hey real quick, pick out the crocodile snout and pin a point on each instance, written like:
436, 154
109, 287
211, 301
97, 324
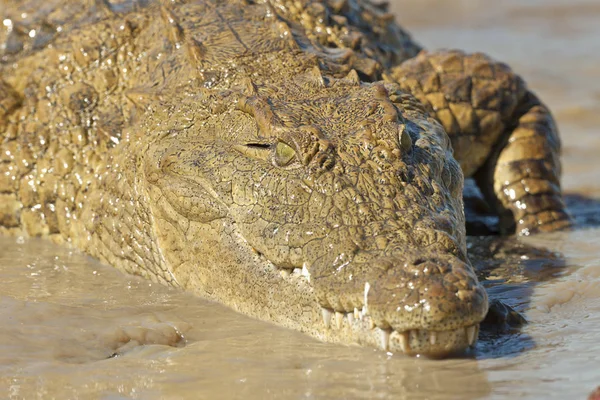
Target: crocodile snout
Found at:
414, 305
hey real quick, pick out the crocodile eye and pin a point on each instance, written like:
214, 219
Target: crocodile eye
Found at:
284, 154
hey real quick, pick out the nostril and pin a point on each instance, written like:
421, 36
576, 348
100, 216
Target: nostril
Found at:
418, 261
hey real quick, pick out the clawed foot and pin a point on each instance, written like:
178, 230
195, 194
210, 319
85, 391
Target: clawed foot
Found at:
502, 318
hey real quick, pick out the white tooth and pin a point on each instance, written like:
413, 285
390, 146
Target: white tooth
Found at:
432, 337
367, 287
404, 343
285, 273
305, 272
326, 316
471, 335
384, 338
357, 314
350, 317
339, 317
414, 335
370, 322
364, 311
297, 271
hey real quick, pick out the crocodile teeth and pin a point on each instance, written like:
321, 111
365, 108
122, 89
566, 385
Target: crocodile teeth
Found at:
358, 314
350, 317
326, 317
413, 335
371, 323
364, 311
432, 337
402, 339
284, 273
384, 338
471, 334
404, 343
339, 318
305, 272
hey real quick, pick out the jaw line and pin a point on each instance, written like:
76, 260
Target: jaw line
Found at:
442, 343
339, 324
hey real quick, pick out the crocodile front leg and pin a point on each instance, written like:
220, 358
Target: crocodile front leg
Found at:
502, 134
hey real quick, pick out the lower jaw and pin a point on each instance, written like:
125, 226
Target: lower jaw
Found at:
434, 343
415, 342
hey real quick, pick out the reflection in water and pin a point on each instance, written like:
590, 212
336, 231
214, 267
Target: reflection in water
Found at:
72, 328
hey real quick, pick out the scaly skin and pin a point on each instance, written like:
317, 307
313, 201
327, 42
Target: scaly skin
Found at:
252, 154
500, 132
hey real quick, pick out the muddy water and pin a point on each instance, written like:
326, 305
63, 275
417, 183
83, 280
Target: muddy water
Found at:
72, 328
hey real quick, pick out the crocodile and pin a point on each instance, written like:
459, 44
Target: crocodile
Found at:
301, 162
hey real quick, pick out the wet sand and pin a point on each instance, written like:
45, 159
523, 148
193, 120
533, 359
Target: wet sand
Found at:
72, 328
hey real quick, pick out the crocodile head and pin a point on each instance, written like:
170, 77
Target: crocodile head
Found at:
326, 205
